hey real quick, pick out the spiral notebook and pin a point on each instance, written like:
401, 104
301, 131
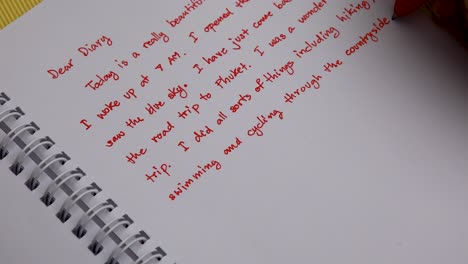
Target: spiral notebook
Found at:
231, 132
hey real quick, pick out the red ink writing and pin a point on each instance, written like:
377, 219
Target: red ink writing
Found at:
312, 83
332, 65
318, 6
233, 74
102, 80
275, 74
259, 51
157, 171
85, 123
201, 171
282, 4
277, 40
192, 35
263, 19
164, 133
240, 3
134, 156
178, 90
221, 118
61, 71
115, 138
130, 93
372, 35
153, 108
242, 99
144, 81
132, 122
155, 39
173, 58
182, 145
188, 110
109, 107
190, 7
90, 48
318, 39
352, 9
214, 57
233, 146
212, 26
256, 130
200, 134
238, 39
205, 97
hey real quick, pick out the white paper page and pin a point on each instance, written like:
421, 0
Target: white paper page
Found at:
369, 167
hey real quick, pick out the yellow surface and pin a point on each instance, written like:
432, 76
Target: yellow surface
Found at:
12, 9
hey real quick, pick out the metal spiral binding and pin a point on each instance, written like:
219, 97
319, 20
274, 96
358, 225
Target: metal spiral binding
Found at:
46, 143
48, 197
52, 164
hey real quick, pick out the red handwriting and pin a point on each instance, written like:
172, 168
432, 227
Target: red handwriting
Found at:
174, 57
313, 83
198, 68
122, 64
134, 156
201, 171
182, 145
178, 90
130, 93
157, 171
256, 130
371, 35
85, 123
277, 40
109, 107
192, 35
352, 9
239, 38
144, 81
282, 4
318, 6
133, 122
275, 74
61, 71
233, 74
188, 110
216, 56
259, 51
90, 48
164, 133
317, 40
240, 3
242, 99
212, 26
205, 97
202, 133
221, 118
153, 108
111, 142
232, 147
189, 8
263, 19
332, 65
156, 37
102, 80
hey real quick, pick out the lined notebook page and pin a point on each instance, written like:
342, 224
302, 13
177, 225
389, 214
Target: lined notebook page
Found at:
257, 131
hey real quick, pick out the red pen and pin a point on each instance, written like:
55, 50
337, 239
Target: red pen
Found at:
406, 7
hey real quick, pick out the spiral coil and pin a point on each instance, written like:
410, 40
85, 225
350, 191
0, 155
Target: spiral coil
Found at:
38, 155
